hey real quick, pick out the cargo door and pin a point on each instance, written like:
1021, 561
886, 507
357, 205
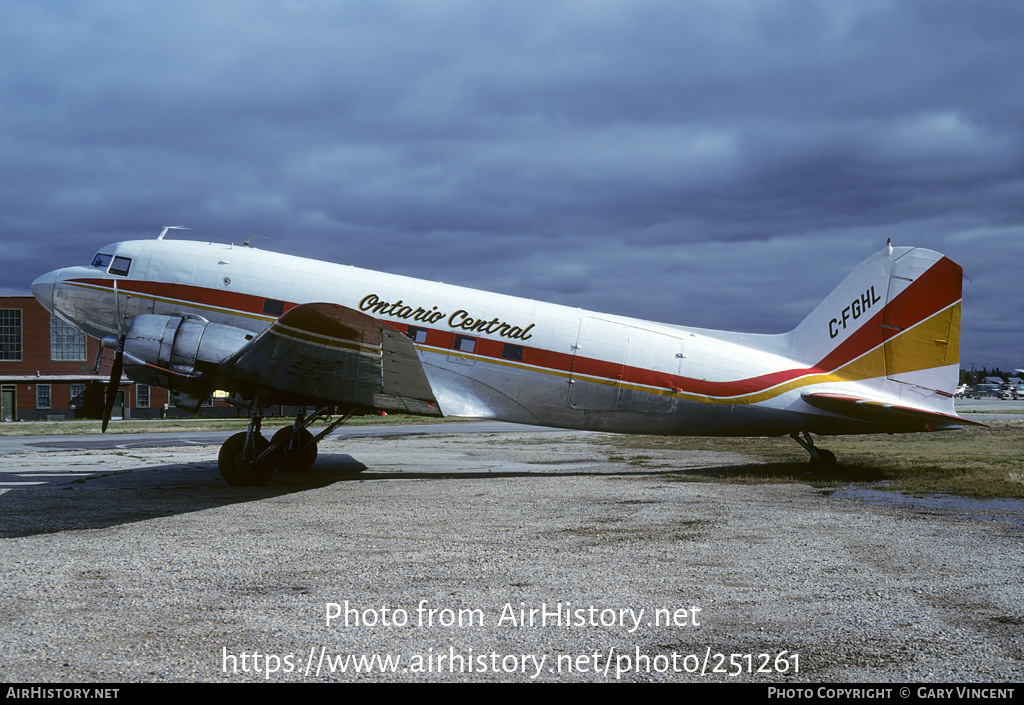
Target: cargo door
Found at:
617, 367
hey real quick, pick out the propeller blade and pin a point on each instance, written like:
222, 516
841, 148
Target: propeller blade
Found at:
115, 382
117, 345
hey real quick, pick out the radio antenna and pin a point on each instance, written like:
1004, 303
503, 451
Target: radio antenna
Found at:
171, 227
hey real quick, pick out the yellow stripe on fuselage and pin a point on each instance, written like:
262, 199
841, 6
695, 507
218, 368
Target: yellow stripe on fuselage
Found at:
323, 341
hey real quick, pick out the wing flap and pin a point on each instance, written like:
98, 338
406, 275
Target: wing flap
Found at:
328, 354
893, 416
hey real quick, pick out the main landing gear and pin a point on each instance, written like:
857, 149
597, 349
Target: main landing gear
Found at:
247, 459
821, 459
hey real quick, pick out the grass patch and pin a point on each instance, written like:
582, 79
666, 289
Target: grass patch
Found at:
974, 462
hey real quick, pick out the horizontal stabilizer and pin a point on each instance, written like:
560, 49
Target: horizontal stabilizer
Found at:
895, 417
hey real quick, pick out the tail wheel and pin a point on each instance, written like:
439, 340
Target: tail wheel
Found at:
296, 453
826, 460
820, 458
236, 464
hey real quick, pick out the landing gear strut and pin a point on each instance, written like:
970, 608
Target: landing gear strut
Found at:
820, 458
296, 450
248, 459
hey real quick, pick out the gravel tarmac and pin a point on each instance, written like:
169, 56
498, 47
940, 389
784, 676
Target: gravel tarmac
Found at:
492, 557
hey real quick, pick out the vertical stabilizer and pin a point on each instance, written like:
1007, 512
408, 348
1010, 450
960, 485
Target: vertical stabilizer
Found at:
893, 325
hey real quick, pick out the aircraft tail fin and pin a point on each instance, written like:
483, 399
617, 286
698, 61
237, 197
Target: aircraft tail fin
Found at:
893, 326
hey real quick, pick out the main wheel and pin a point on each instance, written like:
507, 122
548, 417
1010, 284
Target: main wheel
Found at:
240, 471
294, 460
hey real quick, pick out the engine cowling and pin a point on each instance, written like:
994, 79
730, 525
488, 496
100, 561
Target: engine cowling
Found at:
180, 353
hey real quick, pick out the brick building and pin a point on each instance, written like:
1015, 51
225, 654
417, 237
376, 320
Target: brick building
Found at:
47, 370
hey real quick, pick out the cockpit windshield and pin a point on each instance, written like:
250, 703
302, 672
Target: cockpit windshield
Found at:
112, 264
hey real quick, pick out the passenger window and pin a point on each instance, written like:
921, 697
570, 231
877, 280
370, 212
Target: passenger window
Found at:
416, 334
120, 266
273, 307
512, 352
463, 343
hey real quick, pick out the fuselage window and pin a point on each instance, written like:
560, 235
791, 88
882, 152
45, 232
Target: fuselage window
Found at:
463, 343
273, 307
120, 266
416, 334
512, 352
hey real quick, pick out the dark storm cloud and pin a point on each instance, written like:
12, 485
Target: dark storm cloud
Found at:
721, 164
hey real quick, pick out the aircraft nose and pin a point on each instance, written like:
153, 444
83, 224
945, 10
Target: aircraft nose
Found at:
42, 289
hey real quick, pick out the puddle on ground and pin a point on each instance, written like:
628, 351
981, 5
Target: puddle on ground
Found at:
1011, 510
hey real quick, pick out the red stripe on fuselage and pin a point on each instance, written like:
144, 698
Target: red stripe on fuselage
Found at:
187, 293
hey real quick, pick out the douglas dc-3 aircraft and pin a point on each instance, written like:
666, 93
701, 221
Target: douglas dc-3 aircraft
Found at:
879, 355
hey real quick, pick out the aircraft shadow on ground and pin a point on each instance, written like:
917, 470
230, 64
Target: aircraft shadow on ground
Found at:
792, 471
104, 500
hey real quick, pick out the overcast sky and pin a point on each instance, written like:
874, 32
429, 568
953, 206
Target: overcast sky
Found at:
716, 163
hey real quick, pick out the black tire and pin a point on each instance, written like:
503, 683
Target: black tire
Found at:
294, 461
826, 460
239, 471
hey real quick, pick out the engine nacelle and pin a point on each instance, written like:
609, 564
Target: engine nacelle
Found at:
180, 353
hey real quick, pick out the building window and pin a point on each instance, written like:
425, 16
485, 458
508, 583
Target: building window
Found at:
77, 396
142, 396
10, 334
42, 396
66, 341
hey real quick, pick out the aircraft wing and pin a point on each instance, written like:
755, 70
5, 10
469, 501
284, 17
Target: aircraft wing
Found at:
895, 417
329, 354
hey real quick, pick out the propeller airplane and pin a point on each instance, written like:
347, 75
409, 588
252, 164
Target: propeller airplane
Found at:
879, 355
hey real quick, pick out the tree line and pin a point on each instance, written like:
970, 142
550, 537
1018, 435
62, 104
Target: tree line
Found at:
980, 373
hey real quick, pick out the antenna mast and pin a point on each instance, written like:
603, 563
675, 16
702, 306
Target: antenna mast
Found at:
171, 227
